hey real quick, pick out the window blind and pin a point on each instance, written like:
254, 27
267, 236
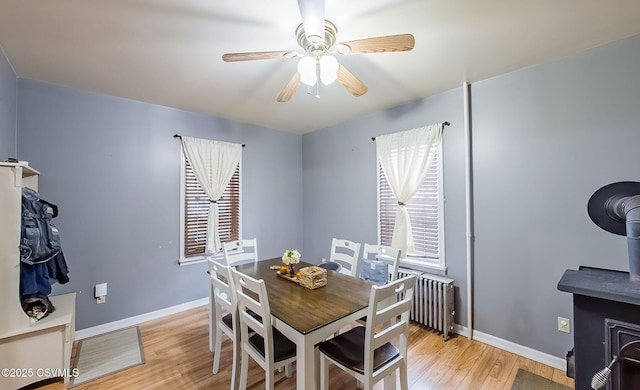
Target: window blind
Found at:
196, 212
423, 210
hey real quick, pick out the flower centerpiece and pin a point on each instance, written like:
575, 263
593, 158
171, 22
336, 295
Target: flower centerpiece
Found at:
290, 258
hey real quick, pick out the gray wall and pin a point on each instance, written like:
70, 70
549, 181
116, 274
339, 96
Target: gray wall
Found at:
8, 87
339, 171
544, 139
113, 168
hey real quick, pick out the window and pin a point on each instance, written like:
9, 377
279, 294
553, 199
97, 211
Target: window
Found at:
426, 212
195, 211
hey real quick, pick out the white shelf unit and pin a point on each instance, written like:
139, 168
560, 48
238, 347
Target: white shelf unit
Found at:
27, 344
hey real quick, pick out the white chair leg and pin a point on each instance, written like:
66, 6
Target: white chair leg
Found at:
235, 368
368, 385
324, 373
217, 348
268, 378
245, 369
359, 385
390, 382
211, 319
404, 382
288, 371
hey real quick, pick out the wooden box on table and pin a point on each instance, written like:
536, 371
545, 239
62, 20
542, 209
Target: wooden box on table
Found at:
313, 277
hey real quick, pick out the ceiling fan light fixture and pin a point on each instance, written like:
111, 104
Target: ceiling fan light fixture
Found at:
328, 69
307, 70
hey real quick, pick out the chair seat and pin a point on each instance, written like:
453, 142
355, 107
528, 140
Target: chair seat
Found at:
347, 349
331, 265
228, 319
283, 348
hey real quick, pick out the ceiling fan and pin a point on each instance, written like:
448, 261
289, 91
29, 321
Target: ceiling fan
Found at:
317, 38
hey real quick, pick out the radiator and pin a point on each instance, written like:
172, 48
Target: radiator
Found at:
432, 301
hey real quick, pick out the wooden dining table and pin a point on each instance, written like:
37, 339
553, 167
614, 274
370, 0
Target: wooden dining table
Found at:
308, 317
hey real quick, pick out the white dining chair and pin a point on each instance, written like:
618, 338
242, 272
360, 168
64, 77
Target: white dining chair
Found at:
234, 253
379, 263
226, 315
346, 253
267, 347
240, 251
379, 266
376, 351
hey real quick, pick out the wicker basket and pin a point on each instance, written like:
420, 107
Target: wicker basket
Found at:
313, 277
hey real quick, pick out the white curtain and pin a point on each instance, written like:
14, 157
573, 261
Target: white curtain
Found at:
213, 163
405, 158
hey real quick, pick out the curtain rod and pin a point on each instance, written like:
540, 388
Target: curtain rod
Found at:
179, 136
443, 124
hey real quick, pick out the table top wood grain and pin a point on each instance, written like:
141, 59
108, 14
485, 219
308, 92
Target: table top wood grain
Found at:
306, 310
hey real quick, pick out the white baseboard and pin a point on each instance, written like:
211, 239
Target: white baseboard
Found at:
135, 320
529, 353
461, 330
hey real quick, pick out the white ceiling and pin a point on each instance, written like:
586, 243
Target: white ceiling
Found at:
169, 52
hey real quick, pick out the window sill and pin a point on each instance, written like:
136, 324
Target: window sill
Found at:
200, 259
420, 265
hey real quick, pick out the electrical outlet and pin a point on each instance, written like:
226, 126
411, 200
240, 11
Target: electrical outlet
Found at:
101, 299
564, 325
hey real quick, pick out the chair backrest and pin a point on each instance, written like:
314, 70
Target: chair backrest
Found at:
224, 293
388, 323
347, 254
380, 263
252, 295
240, 251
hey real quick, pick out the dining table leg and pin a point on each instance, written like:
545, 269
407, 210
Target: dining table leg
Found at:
307, 355
306, 365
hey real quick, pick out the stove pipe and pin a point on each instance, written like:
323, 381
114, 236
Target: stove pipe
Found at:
616, 209
632, 213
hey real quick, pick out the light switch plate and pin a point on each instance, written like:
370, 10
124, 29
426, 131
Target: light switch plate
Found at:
101, 290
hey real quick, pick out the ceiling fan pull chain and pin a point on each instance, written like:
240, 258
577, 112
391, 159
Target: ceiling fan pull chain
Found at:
318, 77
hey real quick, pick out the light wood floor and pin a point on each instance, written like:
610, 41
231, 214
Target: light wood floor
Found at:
177, 357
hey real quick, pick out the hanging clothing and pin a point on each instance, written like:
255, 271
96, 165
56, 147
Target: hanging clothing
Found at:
42, 262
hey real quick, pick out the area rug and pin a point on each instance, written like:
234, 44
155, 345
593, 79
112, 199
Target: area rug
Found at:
526, 380
106, 354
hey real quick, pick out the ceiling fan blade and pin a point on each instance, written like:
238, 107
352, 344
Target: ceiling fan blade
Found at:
257, 55
390, 43
351, 82
289, 89
312, 13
